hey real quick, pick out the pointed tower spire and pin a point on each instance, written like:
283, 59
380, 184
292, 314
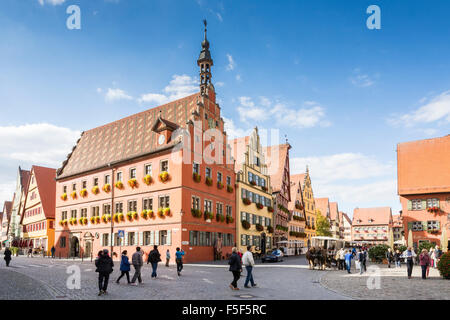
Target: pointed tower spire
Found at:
205, 63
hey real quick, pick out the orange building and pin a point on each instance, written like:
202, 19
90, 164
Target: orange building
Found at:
424, 188
160, 177
372, 225
38, 217
297, 235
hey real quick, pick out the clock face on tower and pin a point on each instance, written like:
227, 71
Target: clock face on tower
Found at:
161, 139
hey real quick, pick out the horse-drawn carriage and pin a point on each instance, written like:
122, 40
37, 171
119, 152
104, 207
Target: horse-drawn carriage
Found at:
323, 251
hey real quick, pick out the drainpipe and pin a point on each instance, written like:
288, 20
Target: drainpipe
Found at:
112, 208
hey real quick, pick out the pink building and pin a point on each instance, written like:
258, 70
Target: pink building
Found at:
159, 176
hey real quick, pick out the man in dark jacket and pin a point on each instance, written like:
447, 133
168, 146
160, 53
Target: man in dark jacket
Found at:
137, 262
154, 257
104, 266
389, 257
235, 267
7, 256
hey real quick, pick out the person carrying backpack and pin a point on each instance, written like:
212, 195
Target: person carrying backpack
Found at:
104, 266
154, 257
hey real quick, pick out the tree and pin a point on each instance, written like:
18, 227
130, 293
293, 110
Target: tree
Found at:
323, 225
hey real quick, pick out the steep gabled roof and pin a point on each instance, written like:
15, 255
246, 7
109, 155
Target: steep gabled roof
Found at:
276, 157
423, 166
24, 177
7, 209
334, 211
346, 217
372, 216
46, 186
323, 205
297, 182
126, 138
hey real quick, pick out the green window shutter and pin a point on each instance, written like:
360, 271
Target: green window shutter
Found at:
424, 225
169, 237
157, 237
438, 225
141, 238
424, 204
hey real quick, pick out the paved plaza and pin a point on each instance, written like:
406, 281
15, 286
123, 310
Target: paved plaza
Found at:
39, 278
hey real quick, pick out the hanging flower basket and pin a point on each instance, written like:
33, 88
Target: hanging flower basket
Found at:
259, 227
97, 219
135, 215
270, 209
151, 214
83, 193
116, 218
95, 190
196, 213
220, 217
219, 185
130, 216
167, 212
73, 221
64, 196
106, 218
230, 189
144, 214
161, 213
73, 195
208, 215
197, 178
246, 201
119, 185
147, 179
121, 217
107, 188
230, 219
133, 183
92, 219
63, 222
245, 224
208, 181
164, 176
259, 206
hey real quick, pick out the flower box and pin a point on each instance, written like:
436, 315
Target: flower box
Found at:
246, 201
259, 206
106, 218
259, 227
246, 225
253, 183
95, 190
73, 221
270, 209
130, 216
164, 176
167, 212
230, 219
119, 185
196, 213
64, 196
147, 179
197, 178
73, 195
230, 189
161, 213
208, 181
83, 193
107, 188
151, 214
298, 207
63, 223
208, 215
133, 183
144, 214
219, 185
220, 218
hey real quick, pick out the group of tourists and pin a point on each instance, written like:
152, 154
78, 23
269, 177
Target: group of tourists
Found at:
426, 260
105, 265
344, 257
236, 261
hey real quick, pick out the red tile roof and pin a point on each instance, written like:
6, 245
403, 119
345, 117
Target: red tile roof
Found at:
323, 205
126, 138
423, 166
24, 177
276, 159
346, 217
46, 183
7, 206
334, 212
380, 216
297, 182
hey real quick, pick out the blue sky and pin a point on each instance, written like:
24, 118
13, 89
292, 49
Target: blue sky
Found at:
343, 94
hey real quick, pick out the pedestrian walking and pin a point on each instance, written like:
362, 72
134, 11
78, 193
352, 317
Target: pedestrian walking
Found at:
249, 263
154, 257
365, 259
437, 255
424, 259
389, 257
104, 266
124, 267
341, 260
137, 262
179, 260
7, 256
235, 268
409, 256
397, 259
167, 257
52, 250
348, 260
360, 257
30, 253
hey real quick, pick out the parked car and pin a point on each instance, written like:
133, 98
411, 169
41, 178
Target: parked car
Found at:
275, 256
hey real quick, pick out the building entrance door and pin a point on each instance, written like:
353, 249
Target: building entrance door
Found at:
74, 247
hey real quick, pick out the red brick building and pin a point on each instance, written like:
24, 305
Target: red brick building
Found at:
160, 176
424, 189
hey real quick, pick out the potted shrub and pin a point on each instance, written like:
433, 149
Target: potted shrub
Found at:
95, 190
64, 196
133, 183
73, 194
259, 227
230, 219
246, 201
147, 179
378, 253
245, 224
230, 189
119, 185
259, 206
444, 265
219, 185
107, 188
164, 176
197, 178
208, 181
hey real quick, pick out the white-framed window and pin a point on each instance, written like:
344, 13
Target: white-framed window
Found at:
164, 165
195, 203
432, 203
119, 207
74, 187
132, 205
416, 204
196, 168
164, 201
219, 208
417, 226
229, 211
95, 181
219, 177
208, 205
133, 173
106, 208
105, 239
119, 176
95, 211
208, 172
229, 180
84, 184
64, 215
433, 225
148, 169
131, 238
147, 204
64, 189
107, 179
73, 214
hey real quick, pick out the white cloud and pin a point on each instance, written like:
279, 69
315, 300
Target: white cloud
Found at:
180, 86
436, 109
311, 114
361, 80
51, 2
351, 179
40, 144
219, 16
7, 191
238, 78
233, 131
116, 94
231, 63
219, 84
